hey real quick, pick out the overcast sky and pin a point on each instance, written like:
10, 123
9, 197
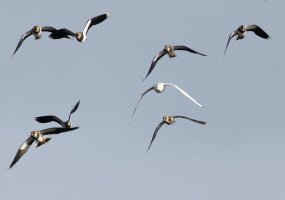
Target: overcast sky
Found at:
239, 155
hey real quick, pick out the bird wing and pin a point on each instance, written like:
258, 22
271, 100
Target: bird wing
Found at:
50, 131
184, 93
61, 33
94, 21
27, 34
22, 150
155, 133
230, 37
74, 109
185, 48
193, 120
154, 61
48, 29
50, 118
142, 95
258, 31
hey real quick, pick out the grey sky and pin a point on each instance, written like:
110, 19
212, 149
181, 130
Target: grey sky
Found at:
239, 155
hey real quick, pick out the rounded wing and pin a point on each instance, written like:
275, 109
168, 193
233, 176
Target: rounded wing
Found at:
184, 93
142, 95
258, 31
26, 35
230, 37
93, 21
22, 150
61, 33
155, 133
50, 118
154, 61
50, 131
193, 120
185, 48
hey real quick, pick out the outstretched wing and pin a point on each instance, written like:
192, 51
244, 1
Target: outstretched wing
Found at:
142, 95
230, 37
73, 109
26, 35
48, 29
22, 150
155, 133
258, 31
154, 61
50, 118
184, 93
185, 48
193, 120
93, 21
50, 131
61, 33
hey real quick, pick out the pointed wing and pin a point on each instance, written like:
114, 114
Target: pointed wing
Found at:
74, 109
61, 33
193, 120
50, 131
22, 150
50, 118
142, 95
230, 37
184, 48
155, 133
27, 34
93, 21
48, 29
154, 61
184, 93
258, 31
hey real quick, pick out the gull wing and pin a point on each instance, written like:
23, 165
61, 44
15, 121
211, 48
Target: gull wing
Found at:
93, 21
193, 120
258, 31
73, 109
155, 133
154, 61
230, 37
185, 48
24, 36
50, 118
184, 93
61, 33
142, 95
50, 131
22, 150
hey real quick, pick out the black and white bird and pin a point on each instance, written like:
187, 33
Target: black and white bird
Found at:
39, 137
50, 118
240, 33
37, 32
169, 120
159, 88
82, 36
169, 50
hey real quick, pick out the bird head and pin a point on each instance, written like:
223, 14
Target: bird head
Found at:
242, 28
79, 36
168, 120
35, 134
159, 87
36, 29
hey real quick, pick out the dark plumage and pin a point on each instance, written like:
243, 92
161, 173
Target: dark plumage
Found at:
61, 33
50, 118
169, 49
240, 33
39, 137
169, 120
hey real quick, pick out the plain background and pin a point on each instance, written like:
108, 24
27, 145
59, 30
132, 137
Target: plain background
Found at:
239, 155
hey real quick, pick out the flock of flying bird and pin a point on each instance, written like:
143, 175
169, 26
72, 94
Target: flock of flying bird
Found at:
39, 136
